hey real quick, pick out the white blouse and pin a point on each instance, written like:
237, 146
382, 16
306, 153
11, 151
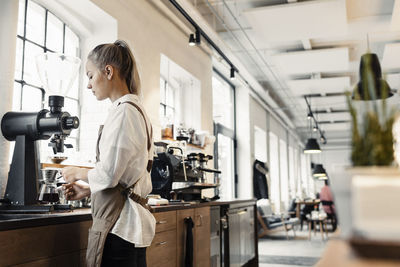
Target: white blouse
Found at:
123, 159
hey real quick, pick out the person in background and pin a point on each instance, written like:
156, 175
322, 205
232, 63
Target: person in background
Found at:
118, 185
326, 198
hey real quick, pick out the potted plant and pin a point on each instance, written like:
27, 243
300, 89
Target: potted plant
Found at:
372, 185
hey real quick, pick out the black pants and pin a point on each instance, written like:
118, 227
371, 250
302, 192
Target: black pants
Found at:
121, 253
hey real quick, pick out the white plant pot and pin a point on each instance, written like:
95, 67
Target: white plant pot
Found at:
368, 202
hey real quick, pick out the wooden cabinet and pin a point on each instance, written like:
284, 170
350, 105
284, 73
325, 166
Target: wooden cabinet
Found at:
181, 235
51, 245
162, 251
202, 237
168, 250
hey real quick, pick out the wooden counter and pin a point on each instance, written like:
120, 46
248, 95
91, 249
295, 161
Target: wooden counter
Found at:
60, 239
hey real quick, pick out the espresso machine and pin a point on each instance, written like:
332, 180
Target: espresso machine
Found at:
57, 73
178, 177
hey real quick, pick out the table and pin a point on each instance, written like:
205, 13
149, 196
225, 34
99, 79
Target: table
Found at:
305, 202
314, 222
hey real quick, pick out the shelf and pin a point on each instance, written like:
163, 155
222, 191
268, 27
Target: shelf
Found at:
188, 144
54, 165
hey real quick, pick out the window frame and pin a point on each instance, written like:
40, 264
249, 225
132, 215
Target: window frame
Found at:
22, 82
230, 133
165, 105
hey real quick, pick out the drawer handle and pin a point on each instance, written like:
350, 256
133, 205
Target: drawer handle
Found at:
200, 222
161, 222
162, 243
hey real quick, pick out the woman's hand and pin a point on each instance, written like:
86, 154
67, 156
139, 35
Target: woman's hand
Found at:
76, 191
72, 174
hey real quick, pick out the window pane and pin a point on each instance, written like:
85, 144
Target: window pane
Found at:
18, 60
222, 103
284, 175
71, 106
225, 165
31, 75
161, 111
17, 97
31, 99
71, 43
54, 37
169, 113
260, 144
21, 17
292, 179
274, 171
304, 176
74, 90
170, 97
35, 23
162, 91
71, 141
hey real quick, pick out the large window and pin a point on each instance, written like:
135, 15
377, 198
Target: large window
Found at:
274, 171
284, 174
260, 144
292, 173
224, 130
41, 31
180, 92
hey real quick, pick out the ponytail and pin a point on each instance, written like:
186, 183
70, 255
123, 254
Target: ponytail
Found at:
118, 55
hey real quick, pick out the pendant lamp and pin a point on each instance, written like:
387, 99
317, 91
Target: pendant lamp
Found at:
319, 171
371, 85
312, 146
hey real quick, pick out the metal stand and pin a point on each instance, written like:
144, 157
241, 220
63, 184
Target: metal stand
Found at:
21, 190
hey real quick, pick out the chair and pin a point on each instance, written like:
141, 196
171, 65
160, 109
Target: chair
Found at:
331, 214
271, 222
306, 210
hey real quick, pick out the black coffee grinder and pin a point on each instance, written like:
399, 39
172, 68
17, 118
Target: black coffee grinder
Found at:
25, 128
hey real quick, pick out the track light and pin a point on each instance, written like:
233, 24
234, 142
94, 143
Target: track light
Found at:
323, 139
232, 76
194, 39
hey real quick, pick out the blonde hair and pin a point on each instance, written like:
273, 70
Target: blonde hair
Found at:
118, 55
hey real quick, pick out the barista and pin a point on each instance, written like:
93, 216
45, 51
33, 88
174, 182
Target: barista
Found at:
121, 179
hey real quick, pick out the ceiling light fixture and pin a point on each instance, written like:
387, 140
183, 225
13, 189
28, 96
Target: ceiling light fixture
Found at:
310, 116
371, 85
319, 171
312, 146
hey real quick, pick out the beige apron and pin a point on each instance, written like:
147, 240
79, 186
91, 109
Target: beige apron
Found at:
107, 205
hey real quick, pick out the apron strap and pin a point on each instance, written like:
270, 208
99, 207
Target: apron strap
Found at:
135, 197
149, 136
